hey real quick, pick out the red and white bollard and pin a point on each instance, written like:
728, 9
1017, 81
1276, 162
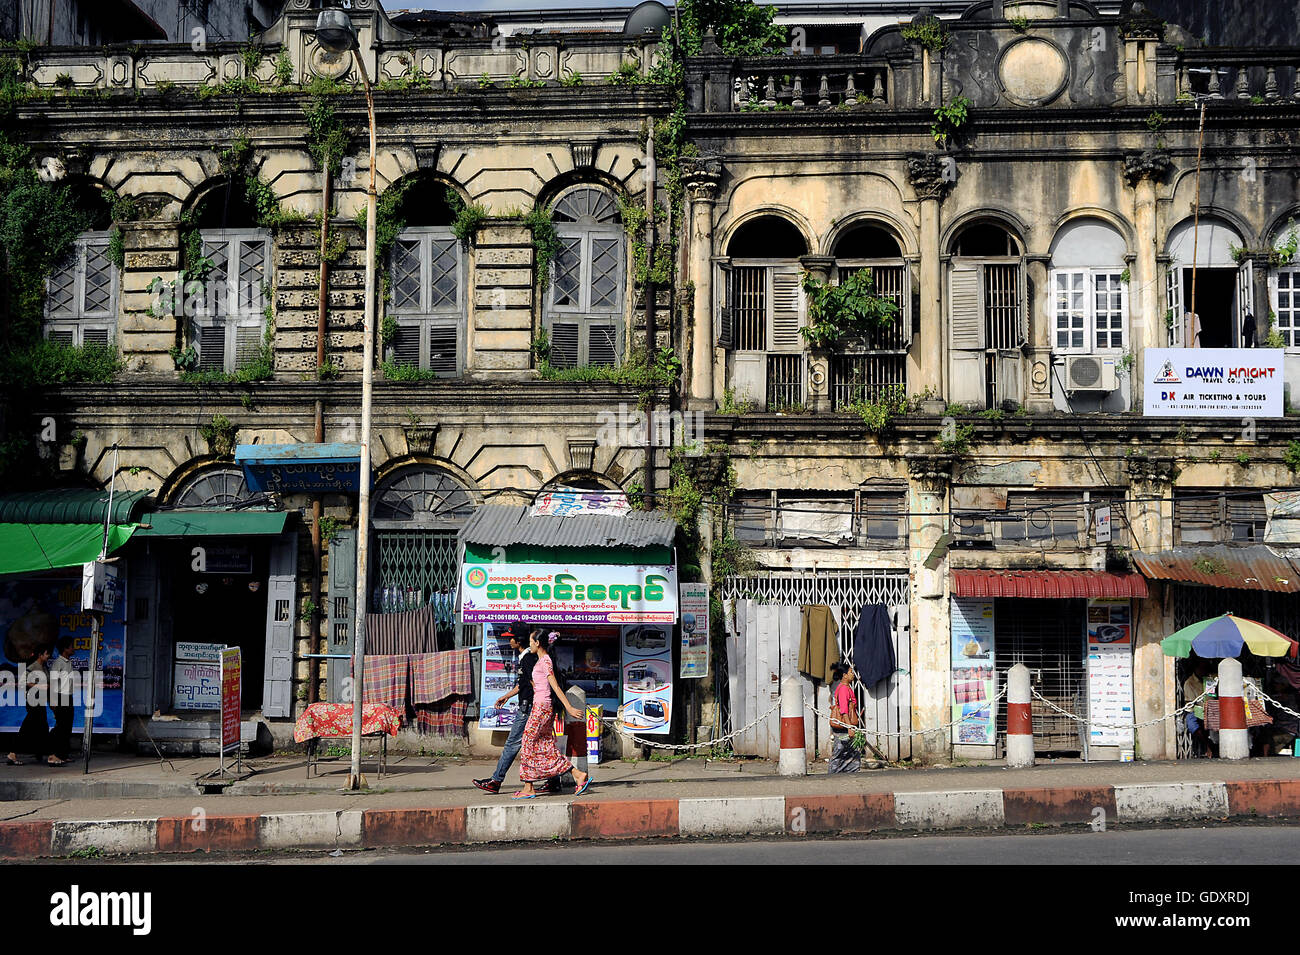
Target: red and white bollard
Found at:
1020, 720
794, 758
1234, 740
575, 730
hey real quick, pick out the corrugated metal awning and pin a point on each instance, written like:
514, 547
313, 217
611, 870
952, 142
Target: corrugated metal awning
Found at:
1252, 567
70, 506
1046, 584
503, 525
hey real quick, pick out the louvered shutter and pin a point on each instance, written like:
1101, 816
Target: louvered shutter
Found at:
62, 335
564, 344
212, 347
406, 345
722, 279
602, 343
1174, 305
95, 336
340, 614
248, 345
966, 334
443, 350
277, 680
787, 310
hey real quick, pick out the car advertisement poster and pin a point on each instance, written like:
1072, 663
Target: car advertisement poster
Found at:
647, 679
34, 613
569, 594
974, 680
500, 671
694, 605
1214, 382
1110, 671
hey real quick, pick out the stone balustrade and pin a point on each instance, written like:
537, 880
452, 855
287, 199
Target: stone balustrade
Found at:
1272, 80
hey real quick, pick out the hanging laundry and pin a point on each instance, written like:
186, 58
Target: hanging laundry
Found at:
873, 645
442, 685
818, 648
411, 631
387, 679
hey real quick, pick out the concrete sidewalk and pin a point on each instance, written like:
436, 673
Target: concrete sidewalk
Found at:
130, 805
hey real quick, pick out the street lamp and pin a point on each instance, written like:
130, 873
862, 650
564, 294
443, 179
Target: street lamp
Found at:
335, 33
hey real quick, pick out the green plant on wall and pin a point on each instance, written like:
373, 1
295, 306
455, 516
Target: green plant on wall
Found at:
219, 433
927, 33
467, 219
949, 121
851, 309
879, 413
546, 242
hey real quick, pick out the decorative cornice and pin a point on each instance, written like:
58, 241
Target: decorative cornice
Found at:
701, 176
1143, 468
932, 471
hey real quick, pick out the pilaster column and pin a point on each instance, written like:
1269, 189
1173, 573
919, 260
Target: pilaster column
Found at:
1036, 388
1151, 518
1147, 329
928, 487
931, 176
819, 360
701, 178
148, 320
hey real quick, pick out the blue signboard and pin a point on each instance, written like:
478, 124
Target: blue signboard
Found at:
301, 467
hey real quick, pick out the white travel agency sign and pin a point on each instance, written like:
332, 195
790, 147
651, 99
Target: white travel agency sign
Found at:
1214, 382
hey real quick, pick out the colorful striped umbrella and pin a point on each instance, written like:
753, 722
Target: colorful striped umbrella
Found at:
1224, 637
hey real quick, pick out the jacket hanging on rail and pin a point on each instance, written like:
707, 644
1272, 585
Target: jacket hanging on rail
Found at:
873, 645
818, 648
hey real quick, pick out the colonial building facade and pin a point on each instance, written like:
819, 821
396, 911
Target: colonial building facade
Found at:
1034, 186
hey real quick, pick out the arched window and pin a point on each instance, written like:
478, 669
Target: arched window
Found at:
584, 310
1089, 295
762, 310
1284, 288
987, 318
1207, 305
227, 308
427, 270
868, 367
213, 488
417, 512
82, 290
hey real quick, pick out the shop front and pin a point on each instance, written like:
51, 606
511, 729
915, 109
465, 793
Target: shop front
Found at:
1074, 630
605, 582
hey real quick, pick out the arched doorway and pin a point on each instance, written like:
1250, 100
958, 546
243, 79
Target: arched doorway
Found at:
762, 312
987, 321
1208, 294
865, 369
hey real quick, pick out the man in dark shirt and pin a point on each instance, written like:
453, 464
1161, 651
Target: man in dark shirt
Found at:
518, 634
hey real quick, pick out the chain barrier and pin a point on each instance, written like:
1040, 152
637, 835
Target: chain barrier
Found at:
935, 729
686, 747
1284, 709
1185, 708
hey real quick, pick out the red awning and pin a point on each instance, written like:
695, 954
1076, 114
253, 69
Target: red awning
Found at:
1046, 583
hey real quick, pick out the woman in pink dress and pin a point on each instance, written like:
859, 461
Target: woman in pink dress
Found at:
538, 757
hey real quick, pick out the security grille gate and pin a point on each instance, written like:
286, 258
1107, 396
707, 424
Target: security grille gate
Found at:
1047, 637
769, 605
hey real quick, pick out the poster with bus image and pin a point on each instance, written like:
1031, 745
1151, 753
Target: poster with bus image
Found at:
647, 679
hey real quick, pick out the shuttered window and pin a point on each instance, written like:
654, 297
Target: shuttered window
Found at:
1206, 517
1285, 286
81, 294
584, 313
228, 321
427, 276
867, 518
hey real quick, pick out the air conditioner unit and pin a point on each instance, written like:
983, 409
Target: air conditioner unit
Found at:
1090, 373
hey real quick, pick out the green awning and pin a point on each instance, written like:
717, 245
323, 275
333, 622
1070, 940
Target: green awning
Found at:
27, 548
196, 523
70, 506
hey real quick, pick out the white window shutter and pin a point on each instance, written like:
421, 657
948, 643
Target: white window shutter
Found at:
248, 345
722, 305
212, 347
602, 343
966, 317
1174, 304
787, 310
564, 344
444, 351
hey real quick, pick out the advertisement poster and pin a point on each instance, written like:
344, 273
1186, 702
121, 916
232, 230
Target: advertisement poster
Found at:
647, 679
694, 604
587, 657
34, 613
1110, 671
196, 685
500, 671
566, 503
569, 594
1214, 382
974, 681
230, 699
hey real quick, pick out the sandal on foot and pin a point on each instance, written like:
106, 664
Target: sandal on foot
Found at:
523, 795
583, 788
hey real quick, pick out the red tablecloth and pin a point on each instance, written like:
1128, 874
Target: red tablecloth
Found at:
334, 720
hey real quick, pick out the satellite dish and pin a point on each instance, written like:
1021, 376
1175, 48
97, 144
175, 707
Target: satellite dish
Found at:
648, 17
